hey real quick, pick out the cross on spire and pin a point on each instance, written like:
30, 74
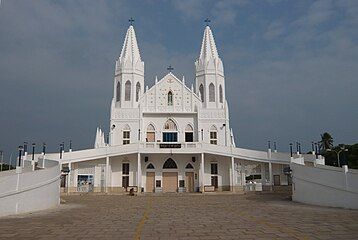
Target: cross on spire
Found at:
170, 68
131, 20
207, 21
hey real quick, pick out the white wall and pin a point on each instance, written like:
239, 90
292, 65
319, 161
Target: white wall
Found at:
30, 190
325, 186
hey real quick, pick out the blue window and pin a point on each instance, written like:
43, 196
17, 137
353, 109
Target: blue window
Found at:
170, 137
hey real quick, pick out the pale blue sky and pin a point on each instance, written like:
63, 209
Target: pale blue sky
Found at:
291, 66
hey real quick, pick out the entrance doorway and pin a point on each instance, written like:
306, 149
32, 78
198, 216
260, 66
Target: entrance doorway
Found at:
276, 180
150, 182
189, 180
170, 181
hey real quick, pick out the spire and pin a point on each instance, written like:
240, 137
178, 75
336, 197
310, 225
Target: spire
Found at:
208, 48
130, 50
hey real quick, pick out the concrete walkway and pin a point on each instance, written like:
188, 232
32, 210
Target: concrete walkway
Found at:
181, 216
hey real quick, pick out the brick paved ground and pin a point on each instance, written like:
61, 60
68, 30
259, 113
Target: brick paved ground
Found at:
182, 217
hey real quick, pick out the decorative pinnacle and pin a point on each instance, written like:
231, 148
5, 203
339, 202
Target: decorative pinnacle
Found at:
131, 20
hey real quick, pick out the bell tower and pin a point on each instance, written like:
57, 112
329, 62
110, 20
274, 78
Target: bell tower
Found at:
209, 76
129, 73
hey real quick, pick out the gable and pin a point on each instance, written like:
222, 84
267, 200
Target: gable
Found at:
183, 99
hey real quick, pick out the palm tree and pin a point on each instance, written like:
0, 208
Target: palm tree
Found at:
326, 141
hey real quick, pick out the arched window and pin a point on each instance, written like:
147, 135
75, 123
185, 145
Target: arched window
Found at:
213, 135
127, 93
189, 133
150, 133
189, 166
137, 91
118, 92
170, 131
201, 91
170, 164
150, 166
221, 94
170, 125
126, 135
170, 98
211, 92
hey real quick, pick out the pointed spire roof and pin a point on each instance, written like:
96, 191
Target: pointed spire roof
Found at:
208, 47
130, 49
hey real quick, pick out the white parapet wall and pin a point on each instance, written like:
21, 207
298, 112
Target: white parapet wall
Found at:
29, 190
325, 186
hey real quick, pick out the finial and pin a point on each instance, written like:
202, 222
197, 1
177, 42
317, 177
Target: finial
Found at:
156, 79
131, 20
183, 79
170, 68
207, 21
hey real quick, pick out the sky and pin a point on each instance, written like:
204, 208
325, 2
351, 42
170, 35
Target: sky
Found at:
291, 67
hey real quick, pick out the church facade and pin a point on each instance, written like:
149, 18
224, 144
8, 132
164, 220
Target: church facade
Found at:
170, 137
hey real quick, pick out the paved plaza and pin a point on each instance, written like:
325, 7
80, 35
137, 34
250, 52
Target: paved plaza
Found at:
182, 216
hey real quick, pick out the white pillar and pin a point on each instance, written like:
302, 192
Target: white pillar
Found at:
139, 174
107, 173
202, 172
270, 173
233, 175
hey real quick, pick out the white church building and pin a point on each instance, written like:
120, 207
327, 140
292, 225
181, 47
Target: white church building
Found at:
171, 137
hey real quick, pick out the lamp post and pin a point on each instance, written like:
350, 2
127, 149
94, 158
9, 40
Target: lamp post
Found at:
2, 159
70, 146
20, 153
291, 151
316, 148
33, 151
61, 150
297, 150
341, 149
25, 148
313, 150
275, 147
44, 149
269, 144
299, 147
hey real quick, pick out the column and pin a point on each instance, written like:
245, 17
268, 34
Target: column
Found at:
107, 174
270, 173
233, 175
139, 174
202, 172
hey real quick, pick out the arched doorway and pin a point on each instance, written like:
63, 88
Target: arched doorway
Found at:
150, 178
170, 176
189, 177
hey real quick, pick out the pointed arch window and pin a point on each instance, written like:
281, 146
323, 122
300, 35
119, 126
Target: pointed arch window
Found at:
221, 94
118, 92
211, 92
170, 98
150, 133
189, 133
150, 166
126, 135
127, 93
137, 91
213, 135
170, 164
201, 91
189, 166
170, 131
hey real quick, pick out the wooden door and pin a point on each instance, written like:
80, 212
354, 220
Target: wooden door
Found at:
170, 182
150, 182
276, 180
189, 181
